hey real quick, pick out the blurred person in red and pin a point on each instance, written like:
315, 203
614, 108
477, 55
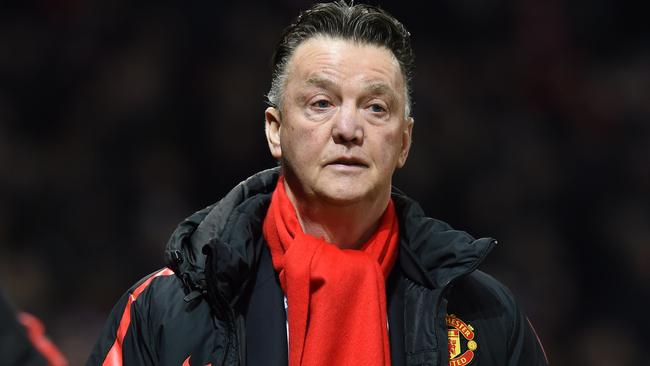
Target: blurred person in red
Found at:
321, 261
23, 341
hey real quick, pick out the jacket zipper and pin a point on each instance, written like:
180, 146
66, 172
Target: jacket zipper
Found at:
224, 309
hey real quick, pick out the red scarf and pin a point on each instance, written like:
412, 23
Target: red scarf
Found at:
336, 297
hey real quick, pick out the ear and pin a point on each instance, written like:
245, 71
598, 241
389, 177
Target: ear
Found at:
407, 133
273, 123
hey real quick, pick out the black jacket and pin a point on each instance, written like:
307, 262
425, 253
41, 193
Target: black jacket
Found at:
223, 304
15, 347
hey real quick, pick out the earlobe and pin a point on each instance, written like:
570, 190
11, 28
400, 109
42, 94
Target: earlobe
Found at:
407, 134
273, 124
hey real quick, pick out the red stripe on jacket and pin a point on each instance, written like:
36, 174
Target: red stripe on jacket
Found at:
114, 356
36, 335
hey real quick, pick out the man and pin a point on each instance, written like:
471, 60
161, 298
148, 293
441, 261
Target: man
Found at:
321, 262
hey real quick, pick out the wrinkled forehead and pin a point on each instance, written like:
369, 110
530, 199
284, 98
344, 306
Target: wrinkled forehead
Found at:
323, 58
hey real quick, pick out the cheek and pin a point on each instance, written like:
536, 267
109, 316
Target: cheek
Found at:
299, 145
390, 149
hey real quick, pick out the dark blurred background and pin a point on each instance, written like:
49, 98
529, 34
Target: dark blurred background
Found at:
120, 118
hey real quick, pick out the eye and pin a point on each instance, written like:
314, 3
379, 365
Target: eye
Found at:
377, 108
321, 104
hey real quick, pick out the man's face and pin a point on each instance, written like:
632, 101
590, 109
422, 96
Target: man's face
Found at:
342, 131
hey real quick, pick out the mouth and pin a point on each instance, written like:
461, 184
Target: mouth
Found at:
351, 162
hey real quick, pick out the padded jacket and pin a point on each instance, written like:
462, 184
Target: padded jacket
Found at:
219, 301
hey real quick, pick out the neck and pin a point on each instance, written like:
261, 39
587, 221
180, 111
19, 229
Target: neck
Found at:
346, 226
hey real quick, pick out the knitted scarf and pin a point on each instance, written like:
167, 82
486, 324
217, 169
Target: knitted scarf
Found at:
336, 297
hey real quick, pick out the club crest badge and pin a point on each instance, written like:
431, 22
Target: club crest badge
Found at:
462, 345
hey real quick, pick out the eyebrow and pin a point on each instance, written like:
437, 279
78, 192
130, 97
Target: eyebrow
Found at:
321, 82
380, 88
374, 88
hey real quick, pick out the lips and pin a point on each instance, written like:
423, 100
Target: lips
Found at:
348, 161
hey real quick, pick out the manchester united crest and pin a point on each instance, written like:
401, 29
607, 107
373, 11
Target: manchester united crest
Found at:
462, 344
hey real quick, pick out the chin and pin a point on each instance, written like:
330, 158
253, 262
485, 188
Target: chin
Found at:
342, 196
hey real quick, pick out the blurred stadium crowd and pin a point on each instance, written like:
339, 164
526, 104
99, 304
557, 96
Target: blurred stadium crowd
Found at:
120, 118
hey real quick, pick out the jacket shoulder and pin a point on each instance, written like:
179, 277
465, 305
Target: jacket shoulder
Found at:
485, 290
150, 317
502, 330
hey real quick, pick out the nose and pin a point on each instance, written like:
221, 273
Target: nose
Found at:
347, 127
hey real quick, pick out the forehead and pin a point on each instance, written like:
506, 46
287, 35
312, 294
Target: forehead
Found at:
344, 61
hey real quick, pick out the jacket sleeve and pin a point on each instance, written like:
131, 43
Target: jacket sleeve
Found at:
15, 347
524, 347
127, 337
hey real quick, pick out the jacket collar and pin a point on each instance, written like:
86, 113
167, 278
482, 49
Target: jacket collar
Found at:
212, 227
431, 252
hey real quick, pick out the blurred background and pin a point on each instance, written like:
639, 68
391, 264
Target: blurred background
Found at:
120, 118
